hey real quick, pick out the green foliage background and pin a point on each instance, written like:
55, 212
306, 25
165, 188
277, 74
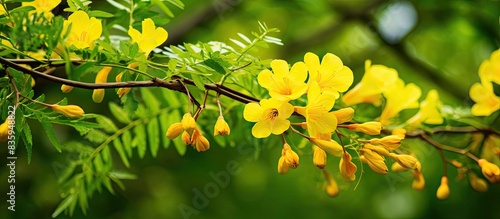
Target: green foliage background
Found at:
442, 51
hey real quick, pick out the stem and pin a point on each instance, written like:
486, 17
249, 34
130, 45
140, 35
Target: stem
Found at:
16, 91
305, 136
218, 103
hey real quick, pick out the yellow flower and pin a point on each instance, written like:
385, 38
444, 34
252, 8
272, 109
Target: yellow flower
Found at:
318, 119
122, 91
429, 112
444, 190
344, 115
489, 70
291, 158
319, 157
490, 170
332, 189
477, 183
2, 10
188, 123
186, 138
347, 167
374, 82
66, 88
396, 167
390, 142
401, 132
399, 97
406, 161
174, 130
486, 100
375, 148
4, 131
84, 30
202, 143
330, 146
282, 166
331, 74
150, 38
102, 77
369, 128
221, 127
271, 116
43, 6
374, 160
284, 84
72, 111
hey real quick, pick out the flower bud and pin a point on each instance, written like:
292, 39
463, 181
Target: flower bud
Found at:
379, 149
396, 167
186, 138
202, 143
401, 132
319, 157
98, 95
4, 131
374, 160
221, 127
101, 77
347, 167
344, 115
391, 142
369, 128
188, 123
66, 88
282, 166
118, 77
406, 161
490, 170
329, 146
418, 181
331, 188
444, 190
291, 158
174, 130
477, 183
123, 91
72, 111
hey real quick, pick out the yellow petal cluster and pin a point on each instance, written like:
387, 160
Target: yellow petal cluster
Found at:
284, 84
191, 134
430, 110
374, 160
369, 90
150, 37
399, 97
288, 160
331, 74
390, 142
271, 116
221, 127
490, 170
330, 146
42, 6
84, 30
369, 128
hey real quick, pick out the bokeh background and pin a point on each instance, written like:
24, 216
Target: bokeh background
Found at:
435, 44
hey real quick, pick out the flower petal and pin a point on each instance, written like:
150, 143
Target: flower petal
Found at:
252, 112
261, 129
280, 67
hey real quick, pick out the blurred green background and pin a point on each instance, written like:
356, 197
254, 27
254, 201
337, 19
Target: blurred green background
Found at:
435, 44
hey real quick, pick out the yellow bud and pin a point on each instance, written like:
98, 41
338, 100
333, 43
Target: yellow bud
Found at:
282, 166
72, 111
490, 170
319, 157
331, 188
98, 95
66, 88
444, 190
477, 183
33, 83
174, 130
401, 132
186, 138
418, 181
221, 127
374, 160
188, 123
391, 142
398, 168
406, 161
347, 167
291, 158
102, 75
123, 91
329, 146
379, 149
118, 77
4, 131
202, 143
370, 128
344, 115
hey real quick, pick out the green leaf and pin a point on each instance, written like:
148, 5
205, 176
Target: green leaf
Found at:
197, 81
107, 124
163, 7
127, 139
122, 174
119, 113
150, 101
215, 66
51, 134
140, 140
81, 71
98, 13
28, 141
164, 124
96, 136
63, 206
119, 148
154, 139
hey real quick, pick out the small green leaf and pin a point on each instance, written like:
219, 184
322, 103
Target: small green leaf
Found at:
51, 134
107, 124
96, 136
98, 13
127, 139
164, 124
119, 148
119, 113
140, 140
28, 140
215, 66
122, 174
163, 7
63, 206
154, 139
197, 81
150, 101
